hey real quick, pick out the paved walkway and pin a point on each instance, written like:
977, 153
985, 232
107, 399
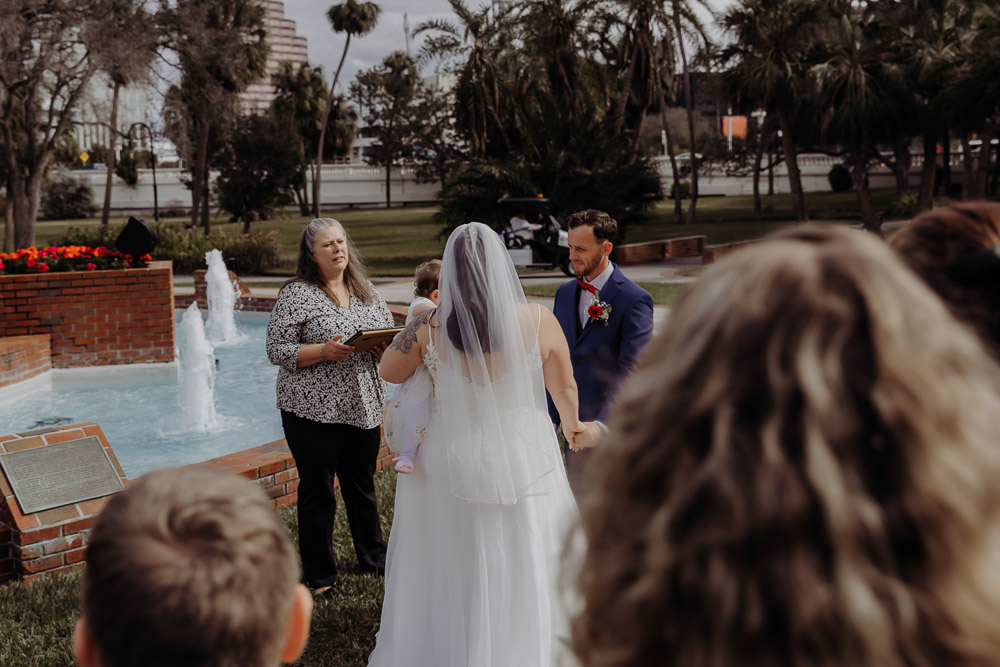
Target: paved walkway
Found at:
400, 290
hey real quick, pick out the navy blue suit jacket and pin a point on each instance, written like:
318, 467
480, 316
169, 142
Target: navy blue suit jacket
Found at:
602, 355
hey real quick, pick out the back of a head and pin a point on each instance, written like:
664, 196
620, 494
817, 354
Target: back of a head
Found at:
189, 567
954, 249
798, 473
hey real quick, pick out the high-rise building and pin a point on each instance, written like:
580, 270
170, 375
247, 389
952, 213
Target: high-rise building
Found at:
285, 45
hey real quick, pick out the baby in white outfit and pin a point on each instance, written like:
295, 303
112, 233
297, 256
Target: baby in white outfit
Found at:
409, 411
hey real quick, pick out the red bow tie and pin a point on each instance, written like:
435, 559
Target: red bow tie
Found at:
587, 286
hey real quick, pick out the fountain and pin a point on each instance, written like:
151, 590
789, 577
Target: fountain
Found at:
196, 394
221, 292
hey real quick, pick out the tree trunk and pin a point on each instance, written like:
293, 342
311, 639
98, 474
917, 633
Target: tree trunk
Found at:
859, 174
674, 171
302, 191
322, 129
901, 170
689, 104
24, 199
627, 89
946, 165
388, 183
197, 179
792, 165
8, 221
983, 161
971, 165
206, 203
928, 173
758, 211
113, 135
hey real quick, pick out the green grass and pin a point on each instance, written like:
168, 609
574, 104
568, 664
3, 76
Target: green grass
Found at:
690, 271
37, 619
393, 242
730, 219
663, 294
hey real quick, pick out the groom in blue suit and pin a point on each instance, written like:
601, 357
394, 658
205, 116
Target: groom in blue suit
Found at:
607, 320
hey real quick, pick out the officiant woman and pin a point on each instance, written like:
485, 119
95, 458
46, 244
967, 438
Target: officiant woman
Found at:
330, 397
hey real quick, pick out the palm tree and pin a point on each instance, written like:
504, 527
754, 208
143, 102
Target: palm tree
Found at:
477, 41
774, 41
352, 18
300, 98
221, 47
130, 42
857, 86
686, 24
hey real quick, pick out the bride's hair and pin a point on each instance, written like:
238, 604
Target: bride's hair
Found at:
468, 264
802, 471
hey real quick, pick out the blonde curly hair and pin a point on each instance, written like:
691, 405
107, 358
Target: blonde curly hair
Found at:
802, 471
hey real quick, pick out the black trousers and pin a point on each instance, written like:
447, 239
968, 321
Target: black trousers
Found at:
322, 451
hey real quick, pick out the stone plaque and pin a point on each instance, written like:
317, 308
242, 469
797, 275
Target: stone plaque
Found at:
60, 474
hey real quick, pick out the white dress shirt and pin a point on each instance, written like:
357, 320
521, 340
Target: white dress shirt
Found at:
585, 298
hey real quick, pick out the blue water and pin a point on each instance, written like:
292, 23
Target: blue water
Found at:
140, 415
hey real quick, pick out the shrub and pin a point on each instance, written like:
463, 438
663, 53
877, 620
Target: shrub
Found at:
247, 254
840, 178
127, 169
683, 187
65, 198
904, 207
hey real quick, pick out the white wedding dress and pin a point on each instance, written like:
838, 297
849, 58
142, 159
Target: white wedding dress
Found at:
474, 573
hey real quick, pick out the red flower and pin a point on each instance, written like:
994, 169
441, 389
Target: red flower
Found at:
42, 268
594, 311
31, 261
91, 266
1, 266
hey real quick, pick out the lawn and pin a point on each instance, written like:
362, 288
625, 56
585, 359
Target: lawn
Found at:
664, 294
393, 242
37, 619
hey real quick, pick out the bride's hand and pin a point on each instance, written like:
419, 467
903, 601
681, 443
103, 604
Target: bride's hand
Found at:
587, 436
572, 433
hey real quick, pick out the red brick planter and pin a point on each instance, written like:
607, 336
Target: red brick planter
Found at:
94, 318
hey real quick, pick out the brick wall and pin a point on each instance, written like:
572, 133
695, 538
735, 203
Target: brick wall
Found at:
54, 540
713, 253
687, 246
51, 540
653, 251
95, 318
24, 357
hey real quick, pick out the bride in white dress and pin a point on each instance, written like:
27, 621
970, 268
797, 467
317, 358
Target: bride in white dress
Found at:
472, 573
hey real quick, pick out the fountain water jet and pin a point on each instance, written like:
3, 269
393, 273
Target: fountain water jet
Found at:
221, 292
197, 373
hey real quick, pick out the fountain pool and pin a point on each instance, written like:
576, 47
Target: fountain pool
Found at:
139, 413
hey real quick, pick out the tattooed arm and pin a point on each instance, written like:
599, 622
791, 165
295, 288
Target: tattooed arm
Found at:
407, 350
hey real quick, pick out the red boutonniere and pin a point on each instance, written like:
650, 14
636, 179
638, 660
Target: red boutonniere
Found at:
599, 311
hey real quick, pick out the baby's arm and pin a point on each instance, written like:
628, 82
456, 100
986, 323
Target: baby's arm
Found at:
421, 308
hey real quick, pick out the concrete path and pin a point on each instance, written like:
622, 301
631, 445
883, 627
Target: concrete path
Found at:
400, 290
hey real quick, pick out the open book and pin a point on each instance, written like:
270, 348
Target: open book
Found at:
365, 340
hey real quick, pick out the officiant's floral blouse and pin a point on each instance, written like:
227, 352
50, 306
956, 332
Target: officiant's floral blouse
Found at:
332, 392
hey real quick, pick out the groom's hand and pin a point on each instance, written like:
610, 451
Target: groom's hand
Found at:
587, 436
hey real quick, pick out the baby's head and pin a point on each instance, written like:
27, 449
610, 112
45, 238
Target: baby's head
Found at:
426, 280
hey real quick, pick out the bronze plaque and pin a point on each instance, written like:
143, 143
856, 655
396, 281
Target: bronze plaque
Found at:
60, 474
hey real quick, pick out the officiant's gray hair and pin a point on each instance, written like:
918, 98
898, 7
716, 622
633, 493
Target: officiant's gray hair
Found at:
801, 471
307, 270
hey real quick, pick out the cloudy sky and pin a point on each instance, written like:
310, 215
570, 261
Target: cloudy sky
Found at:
325, 46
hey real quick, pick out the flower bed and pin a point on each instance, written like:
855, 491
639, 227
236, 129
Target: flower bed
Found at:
68, 258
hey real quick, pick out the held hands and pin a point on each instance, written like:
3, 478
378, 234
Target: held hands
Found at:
333, 350
585, 435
